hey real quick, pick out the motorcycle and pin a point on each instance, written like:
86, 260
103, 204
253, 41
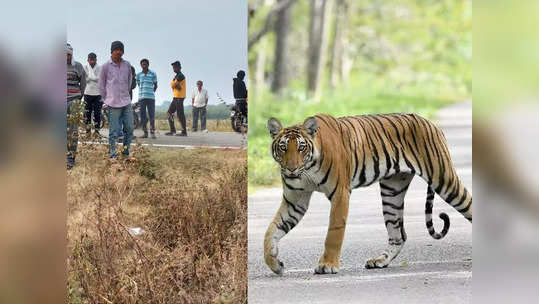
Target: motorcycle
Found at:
238, 121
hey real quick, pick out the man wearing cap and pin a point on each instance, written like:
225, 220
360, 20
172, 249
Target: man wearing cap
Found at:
147, 83
76, 83
115, 82
178, 90
91, 94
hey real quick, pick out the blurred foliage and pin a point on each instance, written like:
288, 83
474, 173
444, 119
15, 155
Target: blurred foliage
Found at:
405, 56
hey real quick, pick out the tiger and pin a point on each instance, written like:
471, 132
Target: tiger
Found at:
336, 155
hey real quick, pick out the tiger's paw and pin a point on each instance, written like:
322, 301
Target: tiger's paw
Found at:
275, 265
379, 262
326, 269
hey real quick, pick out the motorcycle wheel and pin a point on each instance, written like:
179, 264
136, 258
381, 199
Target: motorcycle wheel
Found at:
104, 119
233, 124
136, 121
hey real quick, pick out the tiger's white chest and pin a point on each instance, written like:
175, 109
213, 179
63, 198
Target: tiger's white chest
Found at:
309, 180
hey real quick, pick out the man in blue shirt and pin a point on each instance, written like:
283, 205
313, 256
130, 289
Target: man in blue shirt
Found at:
147, 83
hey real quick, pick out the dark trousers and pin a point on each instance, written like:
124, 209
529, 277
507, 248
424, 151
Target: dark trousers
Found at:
148, 104
176, 106
242, 106
202, 113
93, 105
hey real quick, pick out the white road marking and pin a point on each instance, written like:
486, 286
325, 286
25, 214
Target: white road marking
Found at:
460, 274
310, 270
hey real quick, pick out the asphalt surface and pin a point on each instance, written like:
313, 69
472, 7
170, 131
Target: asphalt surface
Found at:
426, 271
217, 140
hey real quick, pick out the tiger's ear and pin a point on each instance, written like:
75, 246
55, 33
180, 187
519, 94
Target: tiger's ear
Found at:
274, 126
311, 125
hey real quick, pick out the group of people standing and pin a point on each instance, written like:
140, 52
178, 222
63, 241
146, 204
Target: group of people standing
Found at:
111, 85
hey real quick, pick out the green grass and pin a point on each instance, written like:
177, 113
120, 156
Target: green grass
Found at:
359, 97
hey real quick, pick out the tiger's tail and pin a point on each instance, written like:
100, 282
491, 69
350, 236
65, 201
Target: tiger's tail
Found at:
428, 217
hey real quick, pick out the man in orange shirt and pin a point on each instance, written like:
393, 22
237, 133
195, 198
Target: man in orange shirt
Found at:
178, 91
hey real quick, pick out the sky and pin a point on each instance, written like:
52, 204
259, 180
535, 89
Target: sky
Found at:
208, 37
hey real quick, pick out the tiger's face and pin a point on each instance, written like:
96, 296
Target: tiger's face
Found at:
293, 147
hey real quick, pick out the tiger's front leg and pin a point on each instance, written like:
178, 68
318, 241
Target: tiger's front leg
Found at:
293, 206
329, 262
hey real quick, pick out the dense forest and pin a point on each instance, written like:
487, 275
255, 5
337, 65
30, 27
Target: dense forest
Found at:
345, 57
309, 45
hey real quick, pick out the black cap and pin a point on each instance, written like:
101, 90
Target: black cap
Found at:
116, 45
176, 63
240, 74
92, 56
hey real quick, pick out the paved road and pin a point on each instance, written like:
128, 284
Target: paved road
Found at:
218, 140
426, 271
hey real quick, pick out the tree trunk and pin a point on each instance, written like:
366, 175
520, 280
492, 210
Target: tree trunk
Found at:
336, 72
280, 65
269, 23
316, 46
260, 66
260, 73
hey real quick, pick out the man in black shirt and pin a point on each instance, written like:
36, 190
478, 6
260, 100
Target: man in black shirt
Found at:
240, 93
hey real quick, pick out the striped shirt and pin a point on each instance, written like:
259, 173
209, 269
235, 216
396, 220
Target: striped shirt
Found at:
76, 80
146, 84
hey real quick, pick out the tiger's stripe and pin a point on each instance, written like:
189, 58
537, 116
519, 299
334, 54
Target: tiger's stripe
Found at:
336, 155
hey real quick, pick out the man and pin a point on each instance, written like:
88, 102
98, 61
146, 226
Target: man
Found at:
178, 90
91, 95
147, 83
76, 84
240, 94
115, 82
199, 101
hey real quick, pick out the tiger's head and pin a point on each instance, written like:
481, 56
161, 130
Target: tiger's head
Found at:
293, 148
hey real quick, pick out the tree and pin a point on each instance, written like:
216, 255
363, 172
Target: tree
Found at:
316, 46
338, 54
280, 65
269, 23
260, 63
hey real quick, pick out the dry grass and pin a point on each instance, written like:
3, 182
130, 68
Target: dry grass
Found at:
192, 207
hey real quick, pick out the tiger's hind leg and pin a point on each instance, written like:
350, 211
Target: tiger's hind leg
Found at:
393, 190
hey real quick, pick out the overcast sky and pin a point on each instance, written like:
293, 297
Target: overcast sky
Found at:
208, 37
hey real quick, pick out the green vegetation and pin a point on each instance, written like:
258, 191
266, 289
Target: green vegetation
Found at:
377, 57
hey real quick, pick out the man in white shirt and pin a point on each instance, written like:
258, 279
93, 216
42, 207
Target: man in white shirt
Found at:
91, 94
199, 102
